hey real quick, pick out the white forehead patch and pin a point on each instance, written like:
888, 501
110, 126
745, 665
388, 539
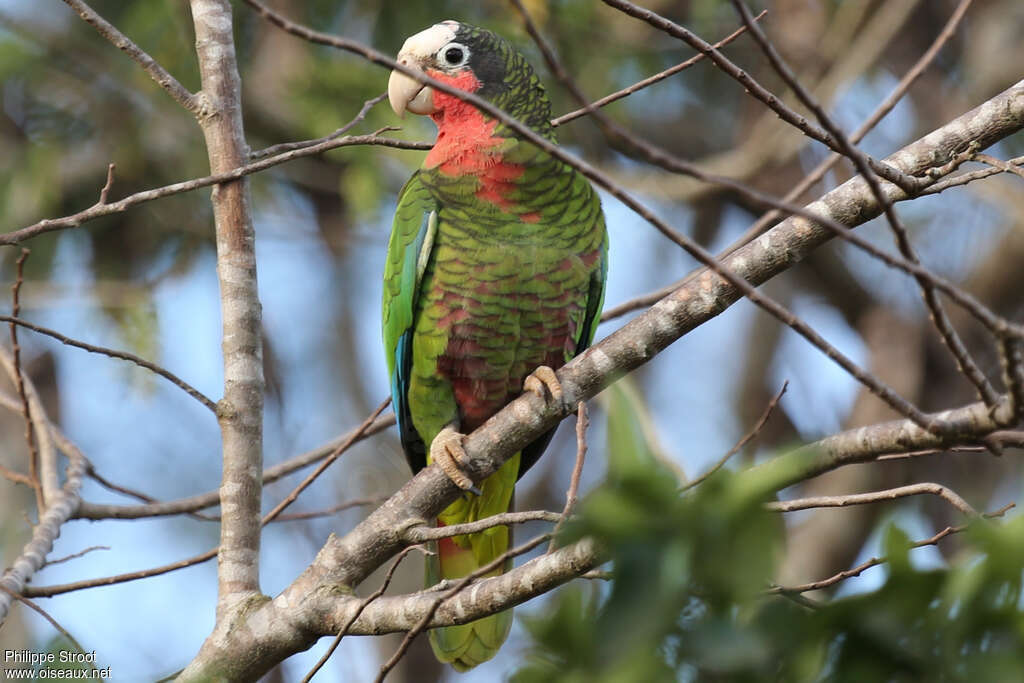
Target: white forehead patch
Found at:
426, 43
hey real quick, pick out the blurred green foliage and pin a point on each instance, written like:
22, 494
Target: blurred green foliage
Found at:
688, 595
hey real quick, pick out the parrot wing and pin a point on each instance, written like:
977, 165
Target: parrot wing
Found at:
412, 239
592, 317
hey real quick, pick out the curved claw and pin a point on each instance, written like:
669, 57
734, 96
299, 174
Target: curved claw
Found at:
447, 451
540, 378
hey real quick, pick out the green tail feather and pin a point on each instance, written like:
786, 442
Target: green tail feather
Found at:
467, 645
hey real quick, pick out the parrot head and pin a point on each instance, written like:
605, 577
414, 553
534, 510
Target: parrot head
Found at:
471, 59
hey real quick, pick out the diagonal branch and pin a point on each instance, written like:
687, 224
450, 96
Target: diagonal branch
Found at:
747, 438
875, 561
880, 112
210, 498
164, 79
649, 81
33, 556
963, 426
312, 600
905, 181
968, 368
101, 208
112, 353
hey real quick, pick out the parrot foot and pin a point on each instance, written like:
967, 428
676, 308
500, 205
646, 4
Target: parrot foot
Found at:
446, 450
542, 377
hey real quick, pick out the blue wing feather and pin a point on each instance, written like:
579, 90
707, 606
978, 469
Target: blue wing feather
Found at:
412, 239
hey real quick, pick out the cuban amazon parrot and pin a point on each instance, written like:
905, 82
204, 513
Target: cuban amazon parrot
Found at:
494, 278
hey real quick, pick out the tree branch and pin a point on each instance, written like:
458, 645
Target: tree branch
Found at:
905, 181
875, 561
950, 338
210, 498
649, 81
240, 411
112, 353
271, 634
962, 426
165, 80
880, 112
754, 431
925, 488
33, 556
431, 533
107, 208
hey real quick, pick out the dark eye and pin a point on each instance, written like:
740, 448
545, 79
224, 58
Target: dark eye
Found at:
454, 54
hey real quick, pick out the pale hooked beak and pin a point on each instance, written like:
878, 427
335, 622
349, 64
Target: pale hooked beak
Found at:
405, 93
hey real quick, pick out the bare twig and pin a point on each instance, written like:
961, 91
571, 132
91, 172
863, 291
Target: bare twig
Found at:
965, 178
209, 498
313, 514
937, 312
875, 561
19, 383
75, 556
34, 554
1011, 356
302, 144
16, 477
926, 488
456, 589
53, 622
422, 534
582, 422
932, 451
57, 589
359, 610
98, 210
651, 80
598, 575
904, 181
1012, 166
164, 79
758, 426
328, 461
105, 190
86, 509
14, 321
869, 123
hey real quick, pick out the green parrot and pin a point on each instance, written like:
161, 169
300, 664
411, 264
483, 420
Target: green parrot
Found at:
495, 277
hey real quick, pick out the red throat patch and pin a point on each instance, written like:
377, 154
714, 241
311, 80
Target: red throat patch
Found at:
466, 144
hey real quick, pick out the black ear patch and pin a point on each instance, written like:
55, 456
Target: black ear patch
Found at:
489, 68
506, 78
487, 58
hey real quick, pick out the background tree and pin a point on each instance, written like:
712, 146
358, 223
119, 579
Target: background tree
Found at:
703, 577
